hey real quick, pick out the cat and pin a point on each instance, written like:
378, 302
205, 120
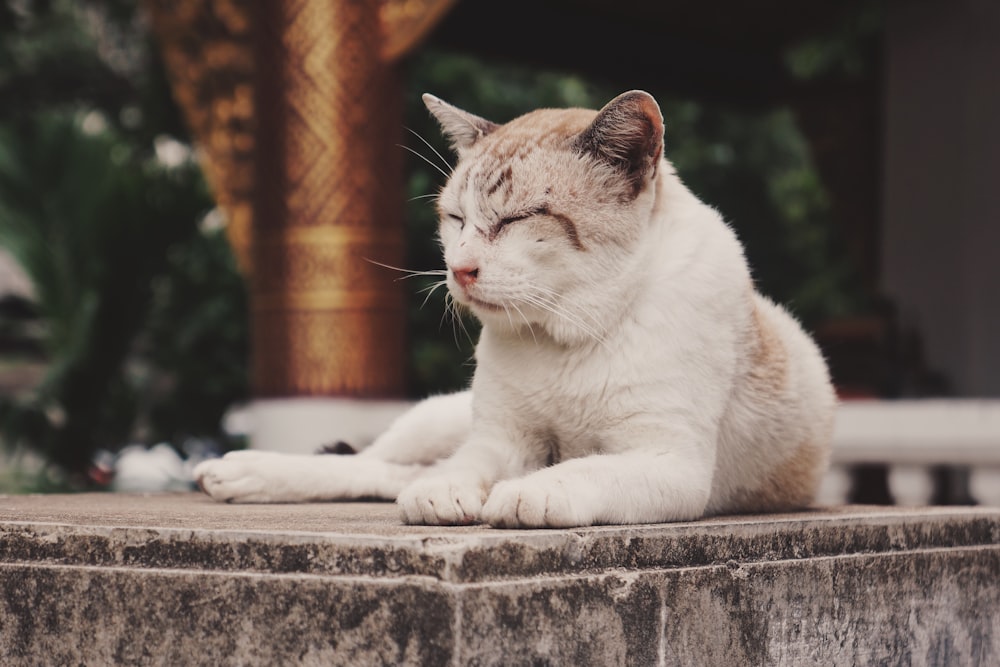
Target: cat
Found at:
627, 370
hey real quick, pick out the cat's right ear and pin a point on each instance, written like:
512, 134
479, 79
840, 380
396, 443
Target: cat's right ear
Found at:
461, 127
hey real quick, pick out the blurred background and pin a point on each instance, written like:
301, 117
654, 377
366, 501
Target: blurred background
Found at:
852, 144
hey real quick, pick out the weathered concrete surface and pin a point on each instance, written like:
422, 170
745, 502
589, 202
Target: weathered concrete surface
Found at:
179, 579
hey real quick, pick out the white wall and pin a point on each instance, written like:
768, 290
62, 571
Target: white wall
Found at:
941, 231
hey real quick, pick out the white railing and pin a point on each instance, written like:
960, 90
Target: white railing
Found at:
912, 438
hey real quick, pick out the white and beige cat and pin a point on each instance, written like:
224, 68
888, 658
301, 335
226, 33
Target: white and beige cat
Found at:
627, 371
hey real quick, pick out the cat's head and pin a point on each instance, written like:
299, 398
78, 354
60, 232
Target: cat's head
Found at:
542, 216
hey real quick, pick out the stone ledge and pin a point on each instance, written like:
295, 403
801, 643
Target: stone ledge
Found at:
189, 531
171, 579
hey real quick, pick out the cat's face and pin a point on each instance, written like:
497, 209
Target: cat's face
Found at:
541, 214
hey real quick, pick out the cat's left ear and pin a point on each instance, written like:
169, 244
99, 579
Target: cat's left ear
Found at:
461, 127
628, 135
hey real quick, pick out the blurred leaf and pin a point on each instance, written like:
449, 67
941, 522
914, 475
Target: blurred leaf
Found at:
92, 226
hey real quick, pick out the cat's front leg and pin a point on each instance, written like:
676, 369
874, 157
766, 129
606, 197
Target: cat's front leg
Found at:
426, 433
453, 493
634, 487
272, 477
429, 431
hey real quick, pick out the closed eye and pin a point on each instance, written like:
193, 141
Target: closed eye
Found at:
569, 227
541, 210
511, 219
457, 218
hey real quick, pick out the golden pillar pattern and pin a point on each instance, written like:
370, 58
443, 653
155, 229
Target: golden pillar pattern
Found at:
326, 319
319, 205
208, 55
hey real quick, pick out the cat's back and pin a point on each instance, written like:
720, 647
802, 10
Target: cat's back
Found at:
774, 440
776, 425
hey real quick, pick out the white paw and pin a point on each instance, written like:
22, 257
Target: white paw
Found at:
454, 500
532, 503
237, 477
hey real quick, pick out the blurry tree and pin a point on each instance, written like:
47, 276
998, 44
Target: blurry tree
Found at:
90, 224
141, 311
195, 342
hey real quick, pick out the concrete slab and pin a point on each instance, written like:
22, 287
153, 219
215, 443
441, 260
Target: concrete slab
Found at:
180, 579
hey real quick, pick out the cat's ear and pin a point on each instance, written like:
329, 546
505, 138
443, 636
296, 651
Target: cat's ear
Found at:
461, 127
628, 135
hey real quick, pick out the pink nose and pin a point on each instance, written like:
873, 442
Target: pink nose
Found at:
465, 276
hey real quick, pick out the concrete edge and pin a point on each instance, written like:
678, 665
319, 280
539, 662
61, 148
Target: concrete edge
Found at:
499, 555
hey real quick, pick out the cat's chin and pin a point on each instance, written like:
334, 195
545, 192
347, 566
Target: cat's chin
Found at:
479, 305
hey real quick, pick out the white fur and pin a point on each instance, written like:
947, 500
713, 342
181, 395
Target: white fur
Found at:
612, 369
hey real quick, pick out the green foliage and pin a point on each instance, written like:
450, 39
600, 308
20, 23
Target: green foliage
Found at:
140, 313
195, 341
844, 50
91, 223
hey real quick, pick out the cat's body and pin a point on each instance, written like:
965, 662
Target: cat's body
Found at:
627, 371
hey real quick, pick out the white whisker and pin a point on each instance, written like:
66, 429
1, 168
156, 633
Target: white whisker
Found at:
510, 320
451, 309
526, 322
449, 312
433, 286
425, 159
410, 273
461, 324
430, 289
561, 313
551, 294
428, 144
444, 314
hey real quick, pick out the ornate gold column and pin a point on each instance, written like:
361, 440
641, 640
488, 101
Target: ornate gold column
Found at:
326, 196
326, 320
207, 50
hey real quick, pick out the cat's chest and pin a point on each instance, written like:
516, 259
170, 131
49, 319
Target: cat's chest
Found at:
573, 396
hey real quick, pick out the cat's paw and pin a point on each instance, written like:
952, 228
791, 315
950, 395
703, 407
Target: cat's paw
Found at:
532, 503
453, 500
240, 477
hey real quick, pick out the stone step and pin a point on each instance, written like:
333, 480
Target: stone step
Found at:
177, 579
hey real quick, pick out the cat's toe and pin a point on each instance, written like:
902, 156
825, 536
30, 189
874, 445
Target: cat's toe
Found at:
441, 501
522, 503
229, 481
250, 455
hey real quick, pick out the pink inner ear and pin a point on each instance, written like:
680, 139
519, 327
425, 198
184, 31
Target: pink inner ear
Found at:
642, 122
627, 122
628, 134
648, 108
